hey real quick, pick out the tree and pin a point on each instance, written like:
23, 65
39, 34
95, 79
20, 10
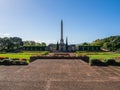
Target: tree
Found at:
43, 44
85, 44
111, 43
10, 44
57, 47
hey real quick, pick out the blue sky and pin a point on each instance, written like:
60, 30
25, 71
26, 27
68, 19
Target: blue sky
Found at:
39, 20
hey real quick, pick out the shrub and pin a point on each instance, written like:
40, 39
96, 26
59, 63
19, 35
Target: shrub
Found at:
97, 62
0, 62
7, 61
1, 58
17, 62
20, 62
15, 59
24, 63
13, 62
111, 61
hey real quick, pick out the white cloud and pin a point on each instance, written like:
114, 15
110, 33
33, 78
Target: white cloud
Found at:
5, 34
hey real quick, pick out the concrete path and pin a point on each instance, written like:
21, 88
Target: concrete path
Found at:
59, 75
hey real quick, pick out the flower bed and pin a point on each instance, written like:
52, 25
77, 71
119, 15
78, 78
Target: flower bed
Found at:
1, 58
14, 61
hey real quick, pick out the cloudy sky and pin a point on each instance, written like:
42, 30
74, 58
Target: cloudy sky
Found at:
39, 20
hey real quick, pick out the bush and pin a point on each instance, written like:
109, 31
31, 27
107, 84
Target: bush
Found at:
110, 61
0, 62
17, 62
7, 62
118, 51
1, 58
97, 62
13, 62
24, 63
15, 59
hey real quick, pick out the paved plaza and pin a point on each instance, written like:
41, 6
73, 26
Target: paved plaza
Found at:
59, 74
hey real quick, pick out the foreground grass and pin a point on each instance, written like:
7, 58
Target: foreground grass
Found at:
24, 54
99, 55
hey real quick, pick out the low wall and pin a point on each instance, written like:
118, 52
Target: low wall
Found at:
32, 58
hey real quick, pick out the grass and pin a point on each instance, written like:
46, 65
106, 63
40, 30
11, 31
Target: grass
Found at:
99, 55
92, 55
110, 56
24, 54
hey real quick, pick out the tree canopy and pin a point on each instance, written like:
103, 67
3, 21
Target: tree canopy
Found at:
10, 44
33, 43
111, 43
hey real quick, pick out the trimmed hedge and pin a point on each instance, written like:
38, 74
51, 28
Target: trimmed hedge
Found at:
106, 62
97, 62
32, 58
13, 62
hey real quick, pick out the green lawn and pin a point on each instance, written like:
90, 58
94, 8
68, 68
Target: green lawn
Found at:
99, 55
26, 54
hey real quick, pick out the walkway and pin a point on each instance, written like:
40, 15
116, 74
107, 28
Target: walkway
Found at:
59, 75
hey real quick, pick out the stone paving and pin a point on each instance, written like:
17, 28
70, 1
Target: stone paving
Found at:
59, 74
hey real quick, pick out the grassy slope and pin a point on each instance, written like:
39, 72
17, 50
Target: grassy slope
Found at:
99, 55
26, 55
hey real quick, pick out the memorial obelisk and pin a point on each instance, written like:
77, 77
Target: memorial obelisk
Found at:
62, 45
61, 40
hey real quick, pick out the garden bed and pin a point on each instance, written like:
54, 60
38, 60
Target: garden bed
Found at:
105, 62
32, 58
13, 61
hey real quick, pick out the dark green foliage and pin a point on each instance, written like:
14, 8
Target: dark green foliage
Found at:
85, 44
57, 46
118, 50
24, 63
11, 44
34, 48
111, 43
13, 62
110, 61
7, 62
89, 48
66, 44
32, 58
33, 43
17, 62
106, 62
97, 62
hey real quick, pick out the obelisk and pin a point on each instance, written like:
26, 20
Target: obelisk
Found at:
61, 40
